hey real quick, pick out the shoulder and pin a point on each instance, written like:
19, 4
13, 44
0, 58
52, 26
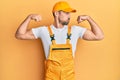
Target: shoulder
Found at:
78, 28
40, 28
39, 31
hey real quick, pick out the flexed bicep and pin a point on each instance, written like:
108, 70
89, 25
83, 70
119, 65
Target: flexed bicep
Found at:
90, 36
28, 35
22, 31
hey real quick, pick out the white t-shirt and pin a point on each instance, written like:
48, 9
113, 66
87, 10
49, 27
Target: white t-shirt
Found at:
60, 36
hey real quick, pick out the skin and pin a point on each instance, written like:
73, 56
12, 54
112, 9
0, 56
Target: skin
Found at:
61, 18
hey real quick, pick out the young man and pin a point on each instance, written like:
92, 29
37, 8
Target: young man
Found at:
59, 40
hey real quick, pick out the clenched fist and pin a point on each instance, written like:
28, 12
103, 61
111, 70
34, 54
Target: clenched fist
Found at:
35, 17
82, 18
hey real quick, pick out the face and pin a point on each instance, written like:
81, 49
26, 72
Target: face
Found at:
64, 17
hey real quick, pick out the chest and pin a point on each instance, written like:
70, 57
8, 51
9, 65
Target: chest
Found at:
60, 37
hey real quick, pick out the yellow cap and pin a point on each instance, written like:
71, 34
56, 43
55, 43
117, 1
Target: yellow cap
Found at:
64, 6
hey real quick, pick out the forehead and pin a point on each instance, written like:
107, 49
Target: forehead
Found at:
63, 12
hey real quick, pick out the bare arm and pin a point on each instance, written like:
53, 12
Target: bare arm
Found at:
22, 31
95, 33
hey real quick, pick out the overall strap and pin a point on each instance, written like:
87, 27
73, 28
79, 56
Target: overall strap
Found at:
51, 35
68, 35
53, 38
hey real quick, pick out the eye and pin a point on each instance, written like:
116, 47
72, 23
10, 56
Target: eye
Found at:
67, 12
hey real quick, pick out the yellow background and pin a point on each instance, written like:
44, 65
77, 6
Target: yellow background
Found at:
95, 60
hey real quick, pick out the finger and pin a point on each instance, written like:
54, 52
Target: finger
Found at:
39, 18
35, 19
78, 19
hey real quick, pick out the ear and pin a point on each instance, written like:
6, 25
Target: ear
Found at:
56, 13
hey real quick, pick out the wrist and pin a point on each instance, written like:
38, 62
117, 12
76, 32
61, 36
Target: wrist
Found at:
88, 18
29, 17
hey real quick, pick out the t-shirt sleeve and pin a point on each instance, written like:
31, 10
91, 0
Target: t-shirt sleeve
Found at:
37, 32
80, 31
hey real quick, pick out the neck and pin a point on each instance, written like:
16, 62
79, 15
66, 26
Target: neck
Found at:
57, 24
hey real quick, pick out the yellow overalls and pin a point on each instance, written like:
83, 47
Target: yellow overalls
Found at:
60, 63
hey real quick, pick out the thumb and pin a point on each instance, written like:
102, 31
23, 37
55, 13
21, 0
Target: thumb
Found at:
79, 20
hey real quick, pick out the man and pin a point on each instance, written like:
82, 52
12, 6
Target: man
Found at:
59, 40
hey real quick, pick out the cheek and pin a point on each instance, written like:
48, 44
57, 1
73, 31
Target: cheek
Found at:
64, 18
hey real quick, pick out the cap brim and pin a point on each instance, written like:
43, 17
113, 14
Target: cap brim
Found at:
69, 10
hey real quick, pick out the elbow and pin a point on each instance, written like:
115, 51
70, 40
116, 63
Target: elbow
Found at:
100, 37
18, 36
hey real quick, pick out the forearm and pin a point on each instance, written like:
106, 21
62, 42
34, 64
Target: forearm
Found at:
95, 28
23, 26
